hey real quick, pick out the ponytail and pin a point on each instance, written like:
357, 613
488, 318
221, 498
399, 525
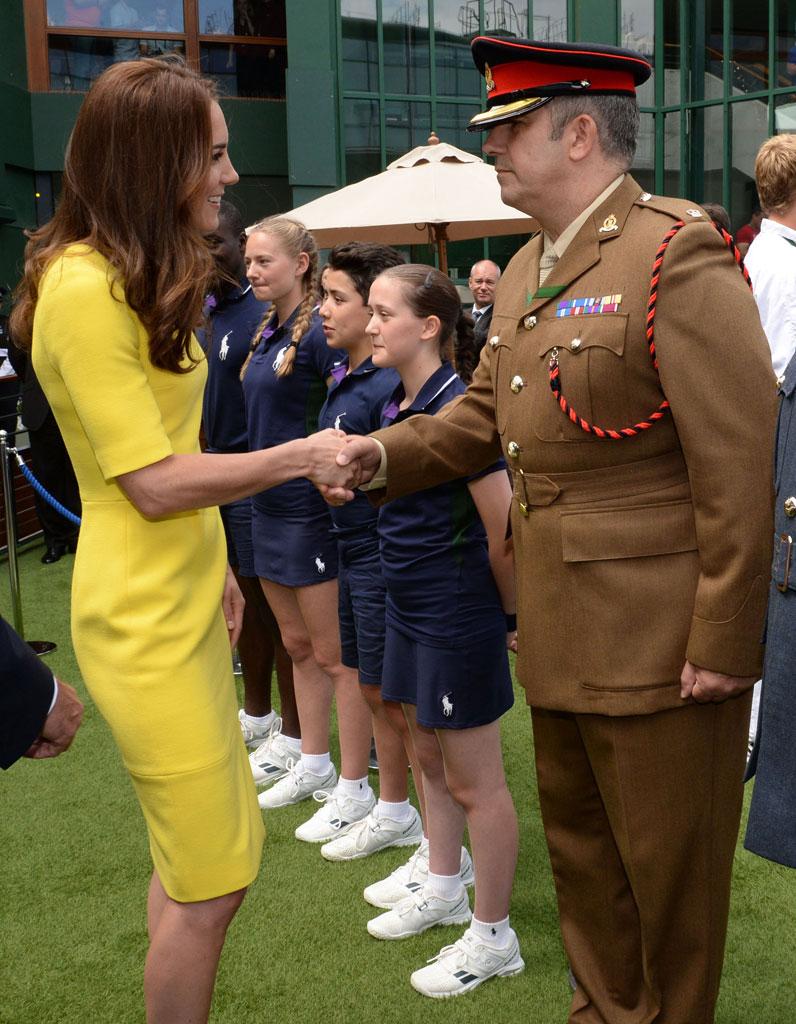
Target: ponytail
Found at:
465, 350
304, 315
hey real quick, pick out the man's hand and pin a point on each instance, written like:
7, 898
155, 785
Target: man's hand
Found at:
335, 482
232, 604
362, 451
60, 725
708, 687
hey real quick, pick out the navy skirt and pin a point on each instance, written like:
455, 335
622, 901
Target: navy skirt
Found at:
452, 687
296, 551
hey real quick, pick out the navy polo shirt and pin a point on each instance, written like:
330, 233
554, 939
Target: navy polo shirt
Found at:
434, 555
354, 405
230, 327
280, 409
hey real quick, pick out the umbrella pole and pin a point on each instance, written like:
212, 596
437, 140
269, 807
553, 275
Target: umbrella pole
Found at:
441, 237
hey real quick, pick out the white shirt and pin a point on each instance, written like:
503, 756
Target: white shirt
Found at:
771, 262
478, 311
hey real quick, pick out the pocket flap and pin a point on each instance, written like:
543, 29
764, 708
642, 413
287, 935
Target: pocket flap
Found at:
592, 330
634, 532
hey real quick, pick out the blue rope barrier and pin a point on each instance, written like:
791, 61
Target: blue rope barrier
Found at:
41, 490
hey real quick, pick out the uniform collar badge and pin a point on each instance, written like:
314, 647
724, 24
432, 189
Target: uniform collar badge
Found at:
609, 224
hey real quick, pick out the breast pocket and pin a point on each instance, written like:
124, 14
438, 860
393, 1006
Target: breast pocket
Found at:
593, 375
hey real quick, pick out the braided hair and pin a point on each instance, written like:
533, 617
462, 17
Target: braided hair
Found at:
294, 239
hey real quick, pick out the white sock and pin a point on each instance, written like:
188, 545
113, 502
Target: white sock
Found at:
447, 887
493, 933
316, 764
401, 811
263, 721
293, 744
356, 788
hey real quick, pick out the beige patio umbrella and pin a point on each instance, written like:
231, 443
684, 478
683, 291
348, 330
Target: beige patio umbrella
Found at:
434, 194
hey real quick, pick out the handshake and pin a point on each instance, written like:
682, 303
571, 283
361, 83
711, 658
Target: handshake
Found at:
338, 463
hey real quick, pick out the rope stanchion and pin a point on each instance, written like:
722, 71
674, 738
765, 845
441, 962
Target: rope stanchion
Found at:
42, 491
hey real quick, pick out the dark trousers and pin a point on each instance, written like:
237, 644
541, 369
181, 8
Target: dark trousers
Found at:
53, 469
641, 817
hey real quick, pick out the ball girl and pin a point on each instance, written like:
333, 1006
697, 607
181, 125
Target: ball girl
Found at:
449, 616
295, 556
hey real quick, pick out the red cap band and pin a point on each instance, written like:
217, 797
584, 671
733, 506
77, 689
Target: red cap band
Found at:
528, 75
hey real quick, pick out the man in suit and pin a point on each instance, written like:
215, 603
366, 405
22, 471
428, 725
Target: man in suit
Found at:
39, 715
51, 463
482, 283
640, 443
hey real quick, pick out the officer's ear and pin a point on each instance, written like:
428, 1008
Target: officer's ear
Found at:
582, 136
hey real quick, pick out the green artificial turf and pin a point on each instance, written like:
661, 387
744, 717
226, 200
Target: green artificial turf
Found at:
75, 871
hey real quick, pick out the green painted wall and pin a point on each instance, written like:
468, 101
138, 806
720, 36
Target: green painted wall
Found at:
312, 125
16, 144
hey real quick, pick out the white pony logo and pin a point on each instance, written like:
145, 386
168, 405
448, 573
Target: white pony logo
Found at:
280, 357
337, 421
320, 565
447, 705
224, 350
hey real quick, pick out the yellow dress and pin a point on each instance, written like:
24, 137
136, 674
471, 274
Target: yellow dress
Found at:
147, 625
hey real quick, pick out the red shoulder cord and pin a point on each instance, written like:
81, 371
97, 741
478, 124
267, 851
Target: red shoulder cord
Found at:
660, 412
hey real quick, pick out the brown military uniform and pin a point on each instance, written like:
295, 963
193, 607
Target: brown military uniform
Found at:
631, 556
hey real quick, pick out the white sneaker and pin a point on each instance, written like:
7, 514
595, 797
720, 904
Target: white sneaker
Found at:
408, 878
253, 735
269, 761
338, 813
418, 912
296, 786
463, 966
374, 833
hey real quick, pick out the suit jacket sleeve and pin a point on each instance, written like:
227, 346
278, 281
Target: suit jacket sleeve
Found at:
715, 369
26, 691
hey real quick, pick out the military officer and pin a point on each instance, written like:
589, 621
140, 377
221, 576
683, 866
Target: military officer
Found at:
628, 382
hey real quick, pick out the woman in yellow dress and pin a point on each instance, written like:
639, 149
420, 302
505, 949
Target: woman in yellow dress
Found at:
113, 288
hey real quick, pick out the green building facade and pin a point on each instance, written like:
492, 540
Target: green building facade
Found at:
320, 93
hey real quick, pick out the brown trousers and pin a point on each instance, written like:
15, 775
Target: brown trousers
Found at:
641, 816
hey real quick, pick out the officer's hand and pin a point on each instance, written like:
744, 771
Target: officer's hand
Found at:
707, 687
511, 640
60, 725
362, 451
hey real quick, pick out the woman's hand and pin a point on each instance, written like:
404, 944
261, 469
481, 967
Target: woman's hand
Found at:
232, 604
321, 451
511, 641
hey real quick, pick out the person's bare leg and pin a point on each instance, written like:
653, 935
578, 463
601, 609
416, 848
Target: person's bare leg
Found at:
318, 605
311, 684
183, 958
474, 771
256, 649
390, 748
287, 695
155, 902
445, 821
397, 719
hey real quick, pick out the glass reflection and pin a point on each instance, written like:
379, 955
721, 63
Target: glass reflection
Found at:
452, 120
748, 131
362, 139
505, 17
550, 20
638, 33
785, 44
406, 46
454, 27
75, 61
671, 51
671, 155
406, 125
245, 69
130, 15
643, 169
242, 18
360, 45
749, 68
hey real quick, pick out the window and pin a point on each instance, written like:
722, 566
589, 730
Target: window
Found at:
241, 44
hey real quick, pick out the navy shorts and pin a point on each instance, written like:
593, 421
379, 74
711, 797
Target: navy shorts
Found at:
452, 687
362, 597
296, 551
237, 520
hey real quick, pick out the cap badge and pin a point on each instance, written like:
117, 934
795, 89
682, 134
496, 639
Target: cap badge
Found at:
694, 213
490, 81
609, 224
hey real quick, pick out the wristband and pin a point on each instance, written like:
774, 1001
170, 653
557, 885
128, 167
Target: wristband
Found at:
511, 622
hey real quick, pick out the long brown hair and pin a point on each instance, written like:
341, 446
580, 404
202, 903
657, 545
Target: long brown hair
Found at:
138, 157
294, 239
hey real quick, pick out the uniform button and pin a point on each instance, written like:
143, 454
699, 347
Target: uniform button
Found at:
575, 344
530, 323
493, 341
513, 449
517, 384
790, 507
523, 508
780, 380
